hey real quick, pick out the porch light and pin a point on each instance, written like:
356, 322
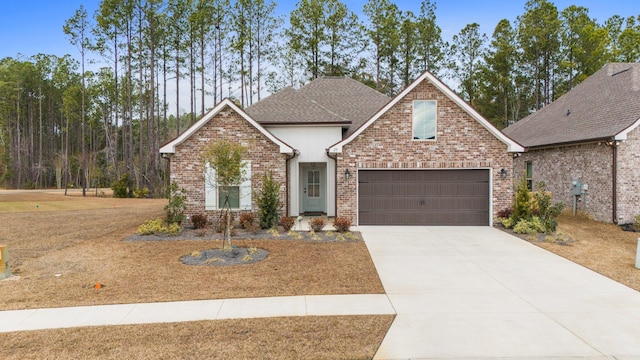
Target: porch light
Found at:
347, 174
503, 173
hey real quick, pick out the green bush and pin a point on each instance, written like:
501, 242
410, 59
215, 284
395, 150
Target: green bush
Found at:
547, 211
122, 188
507, 222
524, 227
268, 200
522, 203
151, 227
141, 193
177, 204
536, 210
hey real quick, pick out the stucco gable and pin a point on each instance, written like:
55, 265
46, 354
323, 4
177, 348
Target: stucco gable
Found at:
512, 146
170, 147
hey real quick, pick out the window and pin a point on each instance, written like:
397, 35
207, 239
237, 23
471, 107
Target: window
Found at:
234, 196
313, 184
239, 195
424, 120
529, 175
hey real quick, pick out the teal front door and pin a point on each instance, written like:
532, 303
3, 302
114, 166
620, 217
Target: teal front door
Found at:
312, 193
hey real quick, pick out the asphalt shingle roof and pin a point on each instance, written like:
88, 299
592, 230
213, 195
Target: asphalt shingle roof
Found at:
600, 107
336, 100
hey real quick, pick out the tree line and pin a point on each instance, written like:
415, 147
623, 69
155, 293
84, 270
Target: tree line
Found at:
62, 125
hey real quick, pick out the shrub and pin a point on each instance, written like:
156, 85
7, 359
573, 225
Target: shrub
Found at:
317, 224
342, 224
524, 227
199, 221
247, 219
268, 200
547, 211
522, 205
287, 222
177, 204
253, 227
507, 222
505, 213
151, 227
122, 188
141, 193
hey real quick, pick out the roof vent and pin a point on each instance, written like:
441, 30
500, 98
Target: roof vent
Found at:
620, 72
568, 112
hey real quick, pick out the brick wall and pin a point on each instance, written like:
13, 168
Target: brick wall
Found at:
461, 142
629, 178
557, 167
187, 167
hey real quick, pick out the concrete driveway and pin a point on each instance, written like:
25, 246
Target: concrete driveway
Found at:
477, 292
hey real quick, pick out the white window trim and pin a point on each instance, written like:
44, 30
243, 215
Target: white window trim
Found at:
435, 121
211, 188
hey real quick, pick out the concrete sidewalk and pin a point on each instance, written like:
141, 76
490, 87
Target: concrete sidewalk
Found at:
166, 312
480, 293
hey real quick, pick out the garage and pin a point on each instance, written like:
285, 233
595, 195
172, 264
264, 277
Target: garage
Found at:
424, 197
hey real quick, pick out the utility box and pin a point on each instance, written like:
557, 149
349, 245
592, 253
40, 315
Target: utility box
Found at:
576, 186
5, 272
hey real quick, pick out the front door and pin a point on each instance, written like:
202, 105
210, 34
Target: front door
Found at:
312, 192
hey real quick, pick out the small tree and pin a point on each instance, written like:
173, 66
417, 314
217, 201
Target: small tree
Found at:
226, 158
268, 199
522, 204
177, 204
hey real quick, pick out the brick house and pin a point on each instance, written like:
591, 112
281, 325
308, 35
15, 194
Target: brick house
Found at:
340, 148
588, 141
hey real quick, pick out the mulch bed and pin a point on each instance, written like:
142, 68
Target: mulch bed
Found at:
223, 257
189, 233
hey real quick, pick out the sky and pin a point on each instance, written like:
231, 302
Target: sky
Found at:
30, 27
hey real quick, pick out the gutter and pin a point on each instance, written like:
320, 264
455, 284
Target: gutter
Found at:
614, 180
286, 180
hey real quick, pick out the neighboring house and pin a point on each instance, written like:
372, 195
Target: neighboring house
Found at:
340, 148
589, 135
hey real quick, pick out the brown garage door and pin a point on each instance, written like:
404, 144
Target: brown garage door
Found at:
423, 197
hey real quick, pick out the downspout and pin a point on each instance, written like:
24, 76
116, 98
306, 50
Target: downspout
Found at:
168, 158
335, 179
286, 167
614, 181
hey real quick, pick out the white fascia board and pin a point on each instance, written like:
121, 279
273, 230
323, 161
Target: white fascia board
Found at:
621, 136
170, 148
511, 145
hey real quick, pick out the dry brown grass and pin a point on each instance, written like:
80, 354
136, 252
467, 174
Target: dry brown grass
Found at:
336, 337
60, 252
81, 240
601, 247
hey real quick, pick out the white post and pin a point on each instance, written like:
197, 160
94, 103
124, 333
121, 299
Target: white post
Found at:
638, 255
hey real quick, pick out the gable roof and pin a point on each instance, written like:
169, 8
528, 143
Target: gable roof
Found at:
328, 100
606, 105
170, 147
512, 146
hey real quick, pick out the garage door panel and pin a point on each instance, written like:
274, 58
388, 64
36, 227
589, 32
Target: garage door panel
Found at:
423, 197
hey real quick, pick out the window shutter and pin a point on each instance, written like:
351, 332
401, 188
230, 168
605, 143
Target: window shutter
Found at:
245, 187
210, 193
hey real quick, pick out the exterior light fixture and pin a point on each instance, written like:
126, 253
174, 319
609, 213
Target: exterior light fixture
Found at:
347, 174
503, 173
